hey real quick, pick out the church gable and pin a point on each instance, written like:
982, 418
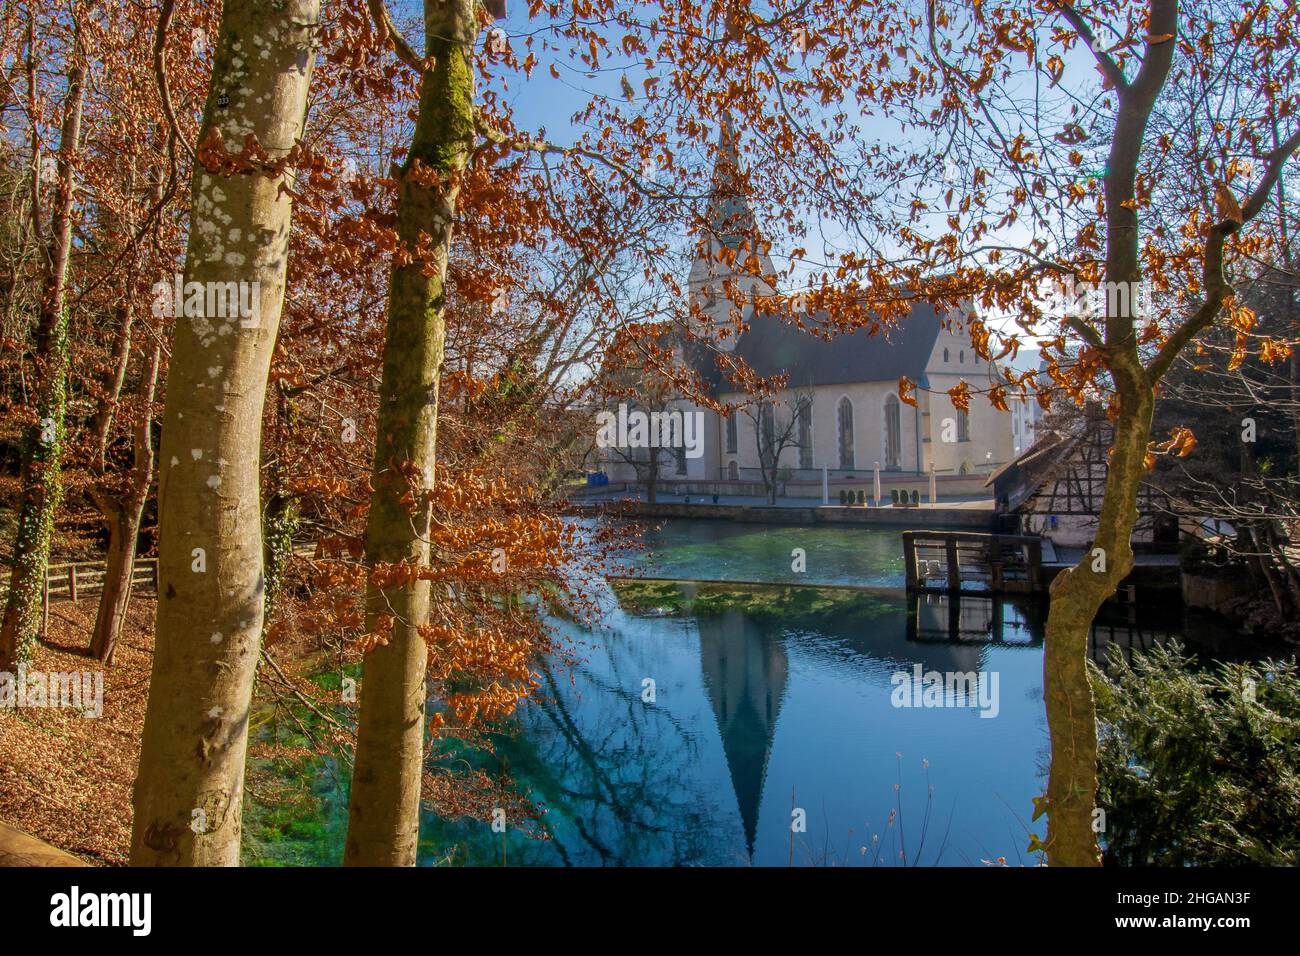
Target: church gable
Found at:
952, 354
841, 409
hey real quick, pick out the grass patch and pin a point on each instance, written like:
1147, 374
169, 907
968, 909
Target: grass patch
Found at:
765, 603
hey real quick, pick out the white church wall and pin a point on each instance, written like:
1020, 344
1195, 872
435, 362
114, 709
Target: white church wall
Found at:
869, 400
989, 436
988, 440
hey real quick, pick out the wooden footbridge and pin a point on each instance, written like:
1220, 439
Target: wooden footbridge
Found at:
957, 562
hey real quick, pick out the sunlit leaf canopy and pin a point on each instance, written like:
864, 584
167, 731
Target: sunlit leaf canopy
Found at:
954, 151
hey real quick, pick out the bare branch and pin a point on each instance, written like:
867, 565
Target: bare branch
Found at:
1216, 284
387, 30
1107, 64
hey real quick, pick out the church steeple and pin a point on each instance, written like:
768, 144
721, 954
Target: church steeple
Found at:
730, 247
730, 219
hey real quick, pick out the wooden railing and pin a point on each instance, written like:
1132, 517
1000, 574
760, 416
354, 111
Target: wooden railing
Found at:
68, 582
970, 561
87, 577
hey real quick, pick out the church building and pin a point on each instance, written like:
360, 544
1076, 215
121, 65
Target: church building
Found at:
840, 411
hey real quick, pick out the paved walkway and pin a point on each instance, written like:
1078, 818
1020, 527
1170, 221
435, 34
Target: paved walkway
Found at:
956, 501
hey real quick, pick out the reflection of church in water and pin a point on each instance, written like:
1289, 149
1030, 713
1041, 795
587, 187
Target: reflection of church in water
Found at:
745, 667
745, 673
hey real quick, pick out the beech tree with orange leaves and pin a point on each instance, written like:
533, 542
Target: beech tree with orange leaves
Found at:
45, 436
383, 825
455, 278
189, 787
1125, 149
963, 178
452, 131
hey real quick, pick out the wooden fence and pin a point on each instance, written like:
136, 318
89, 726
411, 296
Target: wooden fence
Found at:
69, 582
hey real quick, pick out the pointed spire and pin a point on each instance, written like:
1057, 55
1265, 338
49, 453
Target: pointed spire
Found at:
728, 141
730, 216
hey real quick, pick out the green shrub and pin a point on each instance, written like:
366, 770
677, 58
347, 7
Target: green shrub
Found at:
1196, 766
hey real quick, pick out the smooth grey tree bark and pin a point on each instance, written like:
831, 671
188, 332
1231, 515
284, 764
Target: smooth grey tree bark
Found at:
190, 786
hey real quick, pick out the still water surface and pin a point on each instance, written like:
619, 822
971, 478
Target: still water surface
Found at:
758, 721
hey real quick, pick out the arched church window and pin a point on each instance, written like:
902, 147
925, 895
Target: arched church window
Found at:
731, 433
733, 471
845, 421
945, 355
768, 418
805, 434
963, 426
893, 433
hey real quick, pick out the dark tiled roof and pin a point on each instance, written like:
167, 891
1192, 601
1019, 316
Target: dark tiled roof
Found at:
772, 346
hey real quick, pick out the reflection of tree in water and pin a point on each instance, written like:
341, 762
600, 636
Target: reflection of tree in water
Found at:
633, 783
620, 771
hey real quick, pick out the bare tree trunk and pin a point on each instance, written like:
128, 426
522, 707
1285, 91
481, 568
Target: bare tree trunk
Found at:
384, 810
190, 787
652, 477
123, 513
117, 378
1076, 596
42, 486
124, 524
1078, 593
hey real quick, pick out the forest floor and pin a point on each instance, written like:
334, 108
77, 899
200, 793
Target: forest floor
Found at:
64, 777
67, 778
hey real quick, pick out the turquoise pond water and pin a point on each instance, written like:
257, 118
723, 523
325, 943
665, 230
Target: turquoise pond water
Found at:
735, 551
758, 722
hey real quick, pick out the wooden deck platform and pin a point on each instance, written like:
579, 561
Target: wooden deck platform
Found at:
956, 562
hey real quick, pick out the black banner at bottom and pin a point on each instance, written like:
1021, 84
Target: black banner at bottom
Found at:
343, 906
